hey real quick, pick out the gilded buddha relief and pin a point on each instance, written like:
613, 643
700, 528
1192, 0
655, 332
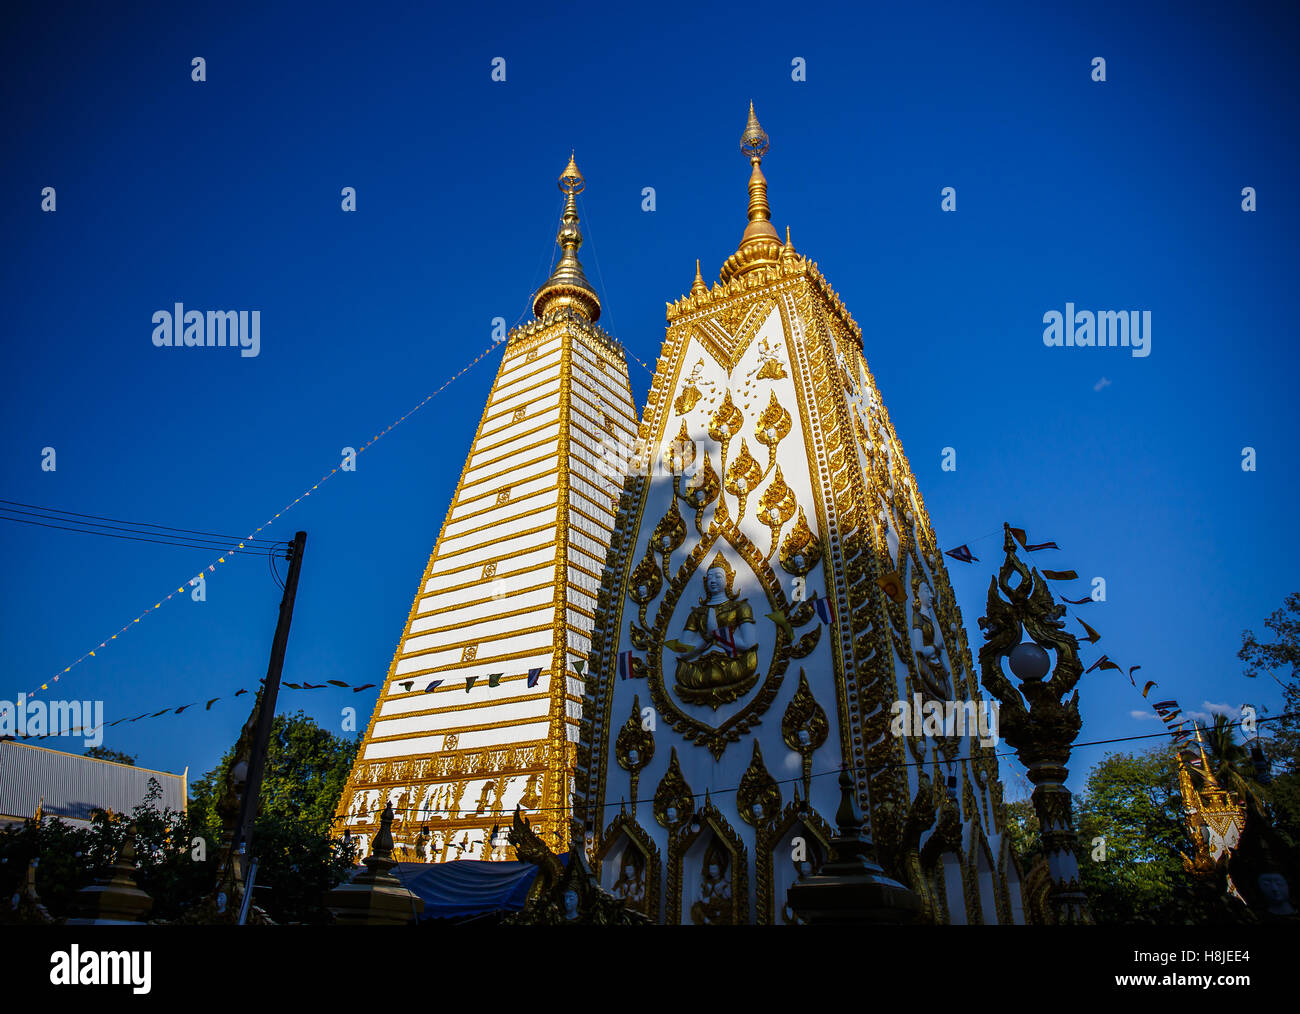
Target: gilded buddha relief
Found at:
717, 651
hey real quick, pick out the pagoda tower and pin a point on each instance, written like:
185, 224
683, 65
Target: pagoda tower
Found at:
774, 588
480, 710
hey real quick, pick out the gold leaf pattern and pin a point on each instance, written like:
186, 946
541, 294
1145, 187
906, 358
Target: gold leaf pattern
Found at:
743, 475
680, 454
804, 726
702, 488
801, 551
669, 533
646, 581
673, 792
758, 792
726, 421
773, 425
776, 506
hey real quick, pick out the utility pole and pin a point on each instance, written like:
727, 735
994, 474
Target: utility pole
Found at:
257, 762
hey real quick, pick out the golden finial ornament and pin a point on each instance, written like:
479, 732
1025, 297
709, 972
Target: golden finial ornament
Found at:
788, 253
698, 288
760, 245
568, 286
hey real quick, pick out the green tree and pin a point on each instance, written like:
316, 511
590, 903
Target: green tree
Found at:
306, 770
1280, 737
104, 753
1023, 829
1131, 802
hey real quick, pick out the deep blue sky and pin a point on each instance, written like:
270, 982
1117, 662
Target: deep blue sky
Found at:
1122, 195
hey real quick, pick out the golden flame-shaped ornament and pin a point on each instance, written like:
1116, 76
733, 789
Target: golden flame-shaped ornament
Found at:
646, 581
702, 488
804, 727
726, 420
673, 804
669, 533
687, 400
635, 747
743, 475
801, 551
776, 506
759, 798
679, 455
773, 425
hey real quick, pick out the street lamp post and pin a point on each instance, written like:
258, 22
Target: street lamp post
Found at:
1037, 719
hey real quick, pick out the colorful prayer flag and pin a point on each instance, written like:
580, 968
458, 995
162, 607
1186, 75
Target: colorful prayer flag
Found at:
1019, 533
963, 554
533, 676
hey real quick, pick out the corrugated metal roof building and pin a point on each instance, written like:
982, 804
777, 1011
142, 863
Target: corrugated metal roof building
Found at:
73, 786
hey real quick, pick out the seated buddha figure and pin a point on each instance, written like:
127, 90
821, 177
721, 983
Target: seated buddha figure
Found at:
717, 659
714, 905
630, 886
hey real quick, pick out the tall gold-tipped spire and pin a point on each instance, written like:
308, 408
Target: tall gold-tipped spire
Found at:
568, 286
760, 245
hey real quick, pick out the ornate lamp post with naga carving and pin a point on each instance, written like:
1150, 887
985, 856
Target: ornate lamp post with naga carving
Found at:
1041, 725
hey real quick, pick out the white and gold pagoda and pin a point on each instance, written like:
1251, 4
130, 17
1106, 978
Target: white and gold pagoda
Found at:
480, 710
774, 587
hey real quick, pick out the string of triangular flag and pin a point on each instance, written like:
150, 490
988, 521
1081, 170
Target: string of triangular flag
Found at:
173, 710
266, 524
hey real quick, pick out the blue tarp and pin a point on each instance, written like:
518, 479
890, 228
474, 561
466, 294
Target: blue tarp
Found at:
468, 886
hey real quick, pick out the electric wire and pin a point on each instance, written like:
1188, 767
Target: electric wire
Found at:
43, 511
138, 538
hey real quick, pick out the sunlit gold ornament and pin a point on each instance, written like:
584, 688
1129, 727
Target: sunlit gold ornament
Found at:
760, 245
679, 456
726, 421
568, 286
801, 551
743, 476
776, 506
772, 426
